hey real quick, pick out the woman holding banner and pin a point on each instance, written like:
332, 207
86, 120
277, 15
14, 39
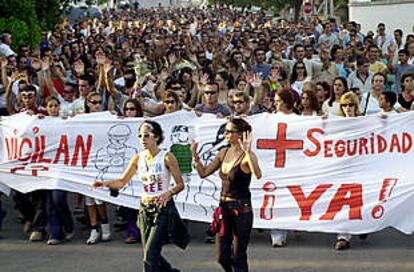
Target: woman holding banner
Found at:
236, 164
60, 222
158, 216
285, 106
349, 107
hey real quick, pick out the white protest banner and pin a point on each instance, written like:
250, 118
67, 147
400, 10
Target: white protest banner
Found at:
341, 175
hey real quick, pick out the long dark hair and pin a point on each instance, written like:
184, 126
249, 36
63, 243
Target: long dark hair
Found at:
87, 109
137, 106
155, 129
240, 124
332, 94
294, 75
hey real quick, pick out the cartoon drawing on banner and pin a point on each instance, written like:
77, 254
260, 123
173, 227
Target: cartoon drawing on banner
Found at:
180, 139
207, 189
114, 157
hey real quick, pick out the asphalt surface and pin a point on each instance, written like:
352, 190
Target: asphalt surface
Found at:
387, 250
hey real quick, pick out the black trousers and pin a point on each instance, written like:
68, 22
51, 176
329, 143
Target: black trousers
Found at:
231, 249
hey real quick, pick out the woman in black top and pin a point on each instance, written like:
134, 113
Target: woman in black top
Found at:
236, 164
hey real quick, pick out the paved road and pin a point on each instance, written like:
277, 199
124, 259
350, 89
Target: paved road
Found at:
388, 250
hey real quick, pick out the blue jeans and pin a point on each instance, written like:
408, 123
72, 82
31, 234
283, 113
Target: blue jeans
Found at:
59, 216
132, 216
153, 225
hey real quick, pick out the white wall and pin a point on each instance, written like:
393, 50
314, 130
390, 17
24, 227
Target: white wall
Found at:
154, 3
394, 14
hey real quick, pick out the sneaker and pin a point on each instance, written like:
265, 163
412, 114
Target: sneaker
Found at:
106, 232
93, 237
278, 243
342, 244
36, 236
52, 242
69, 235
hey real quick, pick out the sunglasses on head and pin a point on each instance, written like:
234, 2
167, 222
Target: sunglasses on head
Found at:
27, 94
95, 102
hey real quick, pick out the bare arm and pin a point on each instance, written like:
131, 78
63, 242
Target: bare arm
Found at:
172, 165
205, 171
250, 158
126, 176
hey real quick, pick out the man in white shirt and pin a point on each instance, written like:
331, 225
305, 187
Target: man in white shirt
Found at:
5, 49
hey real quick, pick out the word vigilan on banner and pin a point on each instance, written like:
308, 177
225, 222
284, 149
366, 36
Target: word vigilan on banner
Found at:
33, 149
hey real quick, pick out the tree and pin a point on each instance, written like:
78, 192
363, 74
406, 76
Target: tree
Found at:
25, 19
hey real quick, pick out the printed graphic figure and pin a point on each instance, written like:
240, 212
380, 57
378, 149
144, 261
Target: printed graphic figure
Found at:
208, 187
115, 156
180, 139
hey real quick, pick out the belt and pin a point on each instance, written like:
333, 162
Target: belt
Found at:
148, 200
228, 199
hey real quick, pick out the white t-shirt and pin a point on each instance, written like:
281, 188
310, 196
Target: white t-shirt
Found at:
77, 106
5, 50
373, 105
155, 177
335, 109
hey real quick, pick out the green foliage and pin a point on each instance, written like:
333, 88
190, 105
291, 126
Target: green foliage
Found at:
22, 34
48, 13
25, 19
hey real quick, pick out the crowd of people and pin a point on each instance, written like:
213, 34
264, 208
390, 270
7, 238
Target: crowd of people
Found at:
150, 62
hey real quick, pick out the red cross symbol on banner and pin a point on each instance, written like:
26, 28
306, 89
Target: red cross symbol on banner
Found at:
280, 144
33, 168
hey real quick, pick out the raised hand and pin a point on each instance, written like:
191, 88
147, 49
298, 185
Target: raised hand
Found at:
45, 65
204, 79
249, 77
36, 64
100, 58
107, 65
257, 80
246, 142
172, 58
79, 67
195, 77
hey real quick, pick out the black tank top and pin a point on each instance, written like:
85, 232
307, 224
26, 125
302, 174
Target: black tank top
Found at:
236, 183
